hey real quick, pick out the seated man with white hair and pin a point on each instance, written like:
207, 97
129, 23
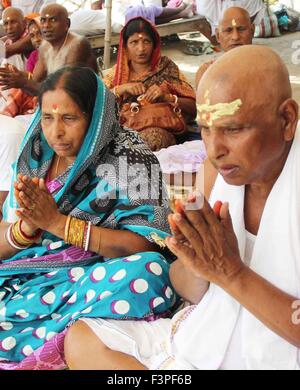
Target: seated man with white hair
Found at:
213, 11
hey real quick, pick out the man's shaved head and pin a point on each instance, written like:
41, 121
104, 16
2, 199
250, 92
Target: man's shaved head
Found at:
232, 13
246, 115
12, 11
55, 23
251, 73
56, 9
235, 28
13, 23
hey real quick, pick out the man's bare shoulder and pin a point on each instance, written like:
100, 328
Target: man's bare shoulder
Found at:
80, 47
78, 39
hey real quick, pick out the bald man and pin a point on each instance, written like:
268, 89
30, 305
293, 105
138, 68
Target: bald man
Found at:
235, 29
239, 263
212, 10
17, 40
60, 47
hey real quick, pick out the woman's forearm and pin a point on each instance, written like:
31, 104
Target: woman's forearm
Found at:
117, 243
108, 242
267, 303
189, 287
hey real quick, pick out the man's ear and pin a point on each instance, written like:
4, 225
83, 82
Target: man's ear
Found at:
288, 112
69, 23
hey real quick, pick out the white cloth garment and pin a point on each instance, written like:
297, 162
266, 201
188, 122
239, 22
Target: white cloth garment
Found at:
212, 10
186, 157
12, 133
28, 6
88, 21
119, 9
92, 22
140, 339
55, 60
233, 359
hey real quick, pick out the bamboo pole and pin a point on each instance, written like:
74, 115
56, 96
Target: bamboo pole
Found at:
107, 38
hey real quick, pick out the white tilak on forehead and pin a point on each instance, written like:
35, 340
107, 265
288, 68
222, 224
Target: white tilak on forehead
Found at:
233, 22
211, 112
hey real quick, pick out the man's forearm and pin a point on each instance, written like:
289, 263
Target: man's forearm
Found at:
22, 46
267, 303
31, 87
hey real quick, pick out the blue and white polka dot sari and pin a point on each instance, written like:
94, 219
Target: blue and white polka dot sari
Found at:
43, 290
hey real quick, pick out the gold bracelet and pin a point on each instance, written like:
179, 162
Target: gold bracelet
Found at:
67, 227
76, 232
20, 237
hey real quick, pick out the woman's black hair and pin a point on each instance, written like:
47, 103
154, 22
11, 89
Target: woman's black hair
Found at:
138, 25
80, 83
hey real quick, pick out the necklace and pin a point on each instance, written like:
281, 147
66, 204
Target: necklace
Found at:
57, 165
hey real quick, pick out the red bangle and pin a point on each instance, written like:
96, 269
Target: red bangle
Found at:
31, 238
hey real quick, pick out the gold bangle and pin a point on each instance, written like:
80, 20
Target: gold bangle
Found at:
67, 227
19, 237
76, 232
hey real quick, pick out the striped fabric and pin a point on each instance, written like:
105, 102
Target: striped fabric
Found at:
268, 27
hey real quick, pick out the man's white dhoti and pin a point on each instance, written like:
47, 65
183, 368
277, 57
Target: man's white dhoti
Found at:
213, 10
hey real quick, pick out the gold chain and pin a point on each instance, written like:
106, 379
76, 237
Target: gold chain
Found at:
57, 165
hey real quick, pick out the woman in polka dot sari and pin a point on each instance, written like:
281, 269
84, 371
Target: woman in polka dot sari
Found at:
120, 273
